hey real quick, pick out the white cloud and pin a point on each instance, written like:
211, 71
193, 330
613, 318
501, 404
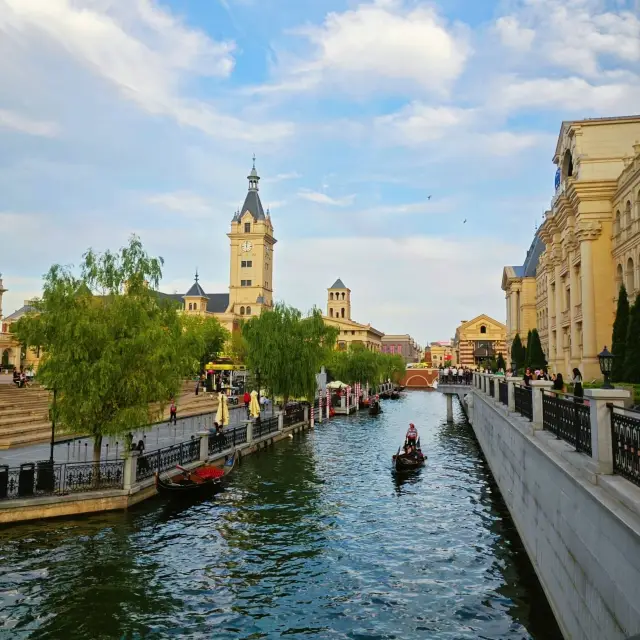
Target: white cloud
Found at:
143, 51
513, 35
323, 198
190, 204
382, 44
24, 124
281, 177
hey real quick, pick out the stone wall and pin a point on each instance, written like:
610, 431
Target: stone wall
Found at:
583, 543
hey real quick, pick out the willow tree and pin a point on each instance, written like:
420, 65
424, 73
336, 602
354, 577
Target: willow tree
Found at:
208, 335
287, 350
392, 367
113, 351
357, 364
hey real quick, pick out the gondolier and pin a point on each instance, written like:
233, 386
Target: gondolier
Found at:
412, 435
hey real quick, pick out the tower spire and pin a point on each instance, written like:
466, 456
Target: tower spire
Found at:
253, 177
197, 277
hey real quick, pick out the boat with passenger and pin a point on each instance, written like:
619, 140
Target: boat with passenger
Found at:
411, 456
203, 481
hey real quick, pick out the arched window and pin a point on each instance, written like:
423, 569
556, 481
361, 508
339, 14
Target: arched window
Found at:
617, 225
248, 311
195, 306
627, 214
342, 312
331, 313
241, 311
618, 278
567, 165
483, 329
331, 296
343, 295
629, 277
190, 307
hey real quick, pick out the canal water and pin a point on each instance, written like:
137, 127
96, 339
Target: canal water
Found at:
315, 538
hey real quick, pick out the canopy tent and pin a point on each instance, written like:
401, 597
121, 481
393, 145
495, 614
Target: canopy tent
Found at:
336, 384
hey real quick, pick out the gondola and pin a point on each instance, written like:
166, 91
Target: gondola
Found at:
405, 462
394, 395
374, 408
199, 482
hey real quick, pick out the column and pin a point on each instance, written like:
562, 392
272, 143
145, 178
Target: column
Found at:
537, 389
559, 306
575, 297
515, 325
449, 407
496, 387
511, 383
589, 347
601, 443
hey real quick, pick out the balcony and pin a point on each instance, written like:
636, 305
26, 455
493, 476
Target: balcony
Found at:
552, 323
565, 317
577, 312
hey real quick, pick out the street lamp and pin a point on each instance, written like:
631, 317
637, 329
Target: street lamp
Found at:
605, 357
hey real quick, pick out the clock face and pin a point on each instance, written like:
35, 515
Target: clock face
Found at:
247, 246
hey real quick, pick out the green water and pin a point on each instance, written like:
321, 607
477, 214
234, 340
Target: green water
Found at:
315, 538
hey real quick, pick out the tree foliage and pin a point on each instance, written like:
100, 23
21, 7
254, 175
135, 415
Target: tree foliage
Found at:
619, 338
632, 355
358, 364
535, 355
208, 334
112, 350
237, 348
518, 352
500, 363
287, 350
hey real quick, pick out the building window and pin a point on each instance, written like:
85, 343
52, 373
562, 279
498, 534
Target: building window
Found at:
342, 312
246, 263
483, 329
195, 306
247, 227
241, 311
245, 283
331, 313
248, 311
353, 333
190, 307
343, 296
630, 284
331, 296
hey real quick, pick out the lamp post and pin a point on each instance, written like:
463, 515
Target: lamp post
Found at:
53, 427
514, 368
605, 357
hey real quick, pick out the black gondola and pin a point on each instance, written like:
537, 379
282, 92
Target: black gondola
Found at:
375, 408
394, 395
189, 483
408, 461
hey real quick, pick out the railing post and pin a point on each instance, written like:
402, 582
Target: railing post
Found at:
306, 414
511, 391
601, 444
204, 445
280, 421
496, 387
484, 382
249, 431
130, 469
537, 389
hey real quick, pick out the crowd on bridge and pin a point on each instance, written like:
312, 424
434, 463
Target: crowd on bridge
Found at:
453, 375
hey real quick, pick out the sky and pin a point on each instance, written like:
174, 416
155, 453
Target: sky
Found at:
404, 146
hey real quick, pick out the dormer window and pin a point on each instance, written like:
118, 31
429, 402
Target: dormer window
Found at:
247, 227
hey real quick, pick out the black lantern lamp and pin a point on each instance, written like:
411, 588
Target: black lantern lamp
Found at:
605, 357
514, 368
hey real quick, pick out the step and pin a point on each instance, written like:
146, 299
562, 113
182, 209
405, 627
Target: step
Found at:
6, 431
26, 420
11, 413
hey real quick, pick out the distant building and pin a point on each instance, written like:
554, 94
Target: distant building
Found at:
339, 316
442, 353
403, 345
479, 340
426, 356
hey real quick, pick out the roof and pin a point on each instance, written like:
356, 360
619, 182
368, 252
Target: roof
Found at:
566, 124
253, 205
16, 315
482, 316
216, 302
533, 255
338, 284
196, 291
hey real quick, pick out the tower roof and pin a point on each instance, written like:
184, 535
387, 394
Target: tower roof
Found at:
338, 284
196, 290
252, 202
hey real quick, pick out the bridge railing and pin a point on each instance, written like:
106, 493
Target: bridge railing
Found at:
465, 377
597, 425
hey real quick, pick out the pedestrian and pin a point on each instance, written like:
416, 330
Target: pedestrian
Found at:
173, 412
247, 401
578, 391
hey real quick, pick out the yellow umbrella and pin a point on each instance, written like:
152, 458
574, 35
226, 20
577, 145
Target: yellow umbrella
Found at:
254, 406
222, 417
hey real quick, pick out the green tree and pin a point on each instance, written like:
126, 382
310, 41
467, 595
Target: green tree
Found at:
237, 348
500, 363
632, 355
209, 334
113, 351
619, 338
288, 350
392, 367
535, 354
518, 352
527, 359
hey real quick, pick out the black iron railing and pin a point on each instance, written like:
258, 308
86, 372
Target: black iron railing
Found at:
167, 458
568, 419
227, 440
294, 417
265, 427
523, 401
492, 387
43, 479
503, 392
625, 439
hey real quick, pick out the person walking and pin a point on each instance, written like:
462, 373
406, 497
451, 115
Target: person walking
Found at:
247, 401
173, 412
578, 391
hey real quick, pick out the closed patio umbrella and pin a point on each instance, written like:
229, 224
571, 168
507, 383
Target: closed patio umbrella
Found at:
222, 417
254, 406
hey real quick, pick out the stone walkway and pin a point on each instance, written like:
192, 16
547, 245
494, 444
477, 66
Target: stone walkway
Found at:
81, 449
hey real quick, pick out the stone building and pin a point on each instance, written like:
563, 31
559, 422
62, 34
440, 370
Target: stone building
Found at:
591, 236
479, 340
442, 353
339, 315
403, 345
519, 284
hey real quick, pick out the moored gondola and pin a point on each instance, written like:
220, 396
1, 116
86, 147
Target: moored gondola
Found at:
203, 481
374, 408
394, 395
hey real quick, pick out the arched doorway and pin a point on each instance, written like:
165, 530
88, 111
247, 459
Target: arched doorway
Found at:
4, 362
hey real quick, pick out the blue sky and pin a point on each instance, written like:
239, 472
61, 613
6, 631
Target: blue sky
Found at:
142, 116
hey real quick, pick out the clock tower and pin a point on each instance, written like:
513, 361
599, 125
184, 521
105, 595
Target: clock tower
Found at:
251, 239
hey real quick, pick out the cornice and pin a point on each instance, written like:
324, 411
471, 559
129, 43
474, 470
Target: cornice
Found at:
588, 230
590, 190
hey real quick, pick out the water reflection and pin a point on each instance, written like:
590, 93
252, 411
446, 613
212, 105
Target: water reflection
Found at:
314, 538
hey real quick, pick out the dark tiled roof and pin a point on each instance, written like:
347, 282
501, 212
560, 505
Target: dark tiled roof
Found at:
253, 205
533, 255
216, 302
338, 284
196, 291
16, 315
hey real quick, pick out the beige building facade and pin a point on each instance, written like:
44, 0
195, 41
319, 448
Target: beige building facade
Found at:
442, 353
403, 345
339, 316
479, 340
591, 236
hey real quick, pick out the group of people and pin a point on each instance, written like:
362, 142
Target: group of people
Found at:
460, 375
22, 378
557, 379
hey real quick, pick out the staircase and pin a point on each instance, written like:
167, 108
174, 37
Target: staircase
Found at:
24, 413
